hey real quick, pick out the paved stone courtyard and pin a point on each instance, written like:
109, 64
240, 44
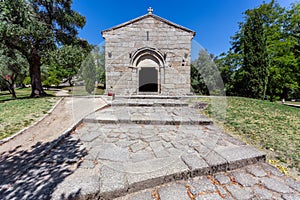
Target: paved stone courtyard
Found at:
258, 181
146, 149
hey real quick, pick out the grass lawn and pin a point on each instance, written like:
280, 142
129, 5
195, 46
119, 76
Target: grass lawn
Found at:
20, 113
273, 127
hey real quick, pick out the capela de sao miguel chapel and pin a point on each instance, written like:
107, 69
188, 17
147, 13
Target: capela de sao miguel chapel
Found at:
148, 55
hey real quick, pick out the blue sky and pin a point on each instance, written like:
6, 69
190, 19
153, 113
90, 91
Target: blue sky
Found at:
213, 20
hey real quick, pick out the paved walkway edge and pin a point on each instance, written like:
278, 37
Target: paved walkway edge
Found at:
64, 135
59, 139
34, 124
177, 176
292, 105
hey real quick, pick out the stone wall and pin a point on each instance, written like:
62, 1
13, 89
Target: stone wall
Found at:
173, 42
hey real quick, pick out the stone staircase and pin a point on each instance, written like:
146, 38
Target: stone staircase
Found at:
138, 143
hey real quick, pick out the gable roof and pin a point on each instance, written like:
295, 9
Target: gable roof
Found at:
146, 16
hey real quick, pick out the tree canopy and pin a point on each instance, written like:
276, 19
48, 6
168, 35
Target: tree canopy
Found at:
13, 68
37, 27
264, 57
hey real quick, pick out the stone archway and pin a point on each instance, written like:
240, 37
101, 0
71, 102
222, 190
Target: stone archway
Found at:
150, 64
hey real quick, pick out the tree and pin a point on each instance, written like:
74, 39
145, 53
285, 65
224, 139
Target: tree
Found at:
205, 76
12, 67
99, 53
280, 32
228, 65
282, 80
33, 27
292, 28
89, 73
255, 57
63, 64
197, 82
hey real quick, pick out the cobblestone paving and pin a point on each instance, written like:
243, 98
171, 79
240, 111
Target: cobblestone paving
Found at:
130, 148
258, 181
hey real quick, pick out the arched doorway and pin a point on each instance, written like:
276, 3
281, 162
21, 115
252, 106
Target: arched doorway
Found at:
148, 74
148, 62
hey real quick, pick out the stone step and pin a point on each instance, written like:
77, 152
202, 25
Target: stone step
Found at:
148, 97
145, 103
133, 177
108, 120
132, 157
132, 148
149, 102
149, 115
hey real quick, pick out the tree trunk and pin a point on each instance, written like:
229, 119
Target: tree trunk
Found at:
284, 94
70, 81
11, 86
35, 76
13, 93
11, 90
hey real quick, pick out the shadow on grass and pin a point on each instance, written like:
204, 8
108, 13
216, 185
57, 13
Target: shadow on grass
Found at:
3, 99
33, 175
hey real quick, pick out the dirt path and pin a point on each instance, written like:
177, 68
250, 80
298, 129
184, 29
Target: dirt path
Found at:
68, 111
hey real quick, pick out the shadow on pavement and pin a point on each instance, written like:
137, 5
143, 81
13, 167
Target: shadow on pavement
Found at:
27, 175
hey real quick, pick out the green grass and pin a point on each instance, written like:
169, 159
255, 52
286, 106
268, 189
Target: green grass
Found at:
16, 114
272, 127
20, 113
21, 94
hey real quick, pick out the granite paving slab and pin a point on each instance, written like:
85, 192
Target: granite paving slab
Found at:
148, 144
149, 115
149, 102
223, 185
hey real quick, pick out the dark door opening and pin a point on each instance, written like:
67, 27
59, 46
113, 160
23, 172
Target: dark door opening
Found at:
148, 79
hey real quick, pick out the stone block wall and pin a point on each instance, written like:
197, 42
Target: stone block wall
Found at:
173, 42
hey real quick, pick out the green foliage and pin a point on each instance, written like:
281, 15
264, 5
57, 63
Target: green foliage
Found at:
21, 29
35, 28
197, 81
255, 57
103, 78
12, 69
26, 80
227, 65
205, 76
63, 64
99, 53
3, 85
89, 73
269, 37
283, 65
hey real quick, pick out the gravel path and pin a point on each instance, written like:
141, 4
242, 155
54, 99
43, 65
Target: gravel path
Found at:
66, 113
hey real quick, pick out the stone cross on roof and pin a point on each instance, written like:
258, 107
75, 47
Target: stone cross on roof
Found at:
150, 10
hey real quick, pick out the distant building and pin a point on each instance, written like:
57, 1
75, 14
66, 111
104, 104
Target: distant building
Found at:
148, 55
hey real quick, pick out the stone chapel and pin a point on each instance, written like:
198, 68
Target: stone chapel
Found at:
148, 55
